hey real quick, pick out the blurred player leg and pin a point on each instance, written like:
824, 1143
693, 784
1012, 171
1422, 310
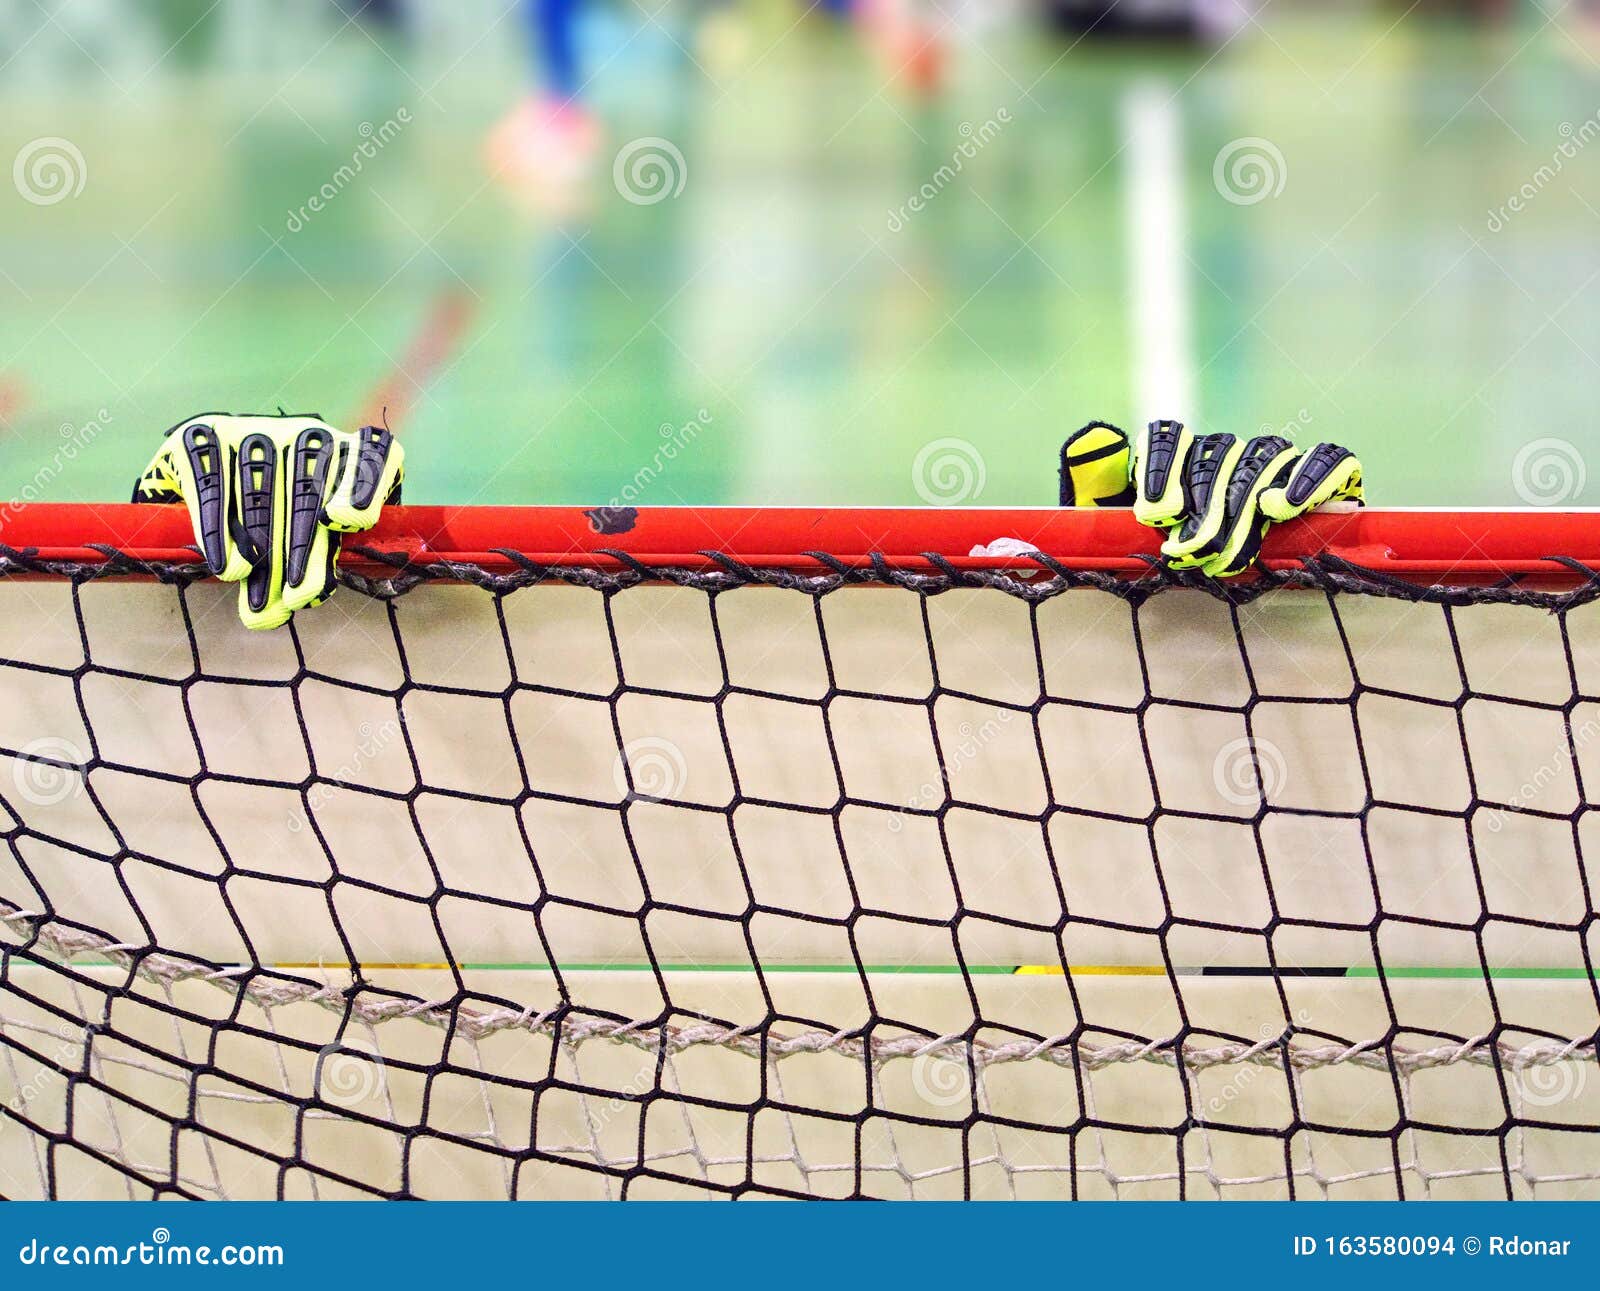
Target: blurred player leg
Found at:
385, 22
908, 36
550, 137
374, 13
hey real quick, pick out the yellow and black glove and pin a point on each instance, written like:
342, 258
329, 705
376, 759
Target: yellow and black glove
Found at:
269, 498
1215, 495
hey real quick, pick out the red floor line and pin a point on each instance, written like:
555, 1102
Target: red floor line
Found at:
390, 402
13, 399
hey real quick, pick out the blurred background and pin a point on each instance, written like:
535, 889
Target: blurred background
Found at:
803, 252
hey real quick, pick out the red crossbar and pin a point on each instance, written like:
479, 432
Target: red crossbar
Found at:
1442, 546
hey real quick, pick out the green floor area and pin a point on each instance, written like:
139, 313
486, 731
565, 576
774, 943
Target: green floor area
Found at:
850, 274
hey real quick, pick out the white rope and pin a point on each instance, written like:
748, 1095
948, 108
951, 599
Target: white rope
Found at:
270, 990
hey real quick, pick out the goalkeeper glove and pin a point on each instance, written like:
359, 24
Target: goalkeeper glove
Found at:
1215, 495
269, 498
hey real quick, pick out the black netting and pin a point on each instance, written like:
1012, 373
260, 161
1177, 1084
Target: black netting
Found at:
569, 882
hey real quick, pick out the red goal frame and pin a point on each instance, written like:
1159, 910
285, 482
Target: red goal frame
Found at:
1443, 546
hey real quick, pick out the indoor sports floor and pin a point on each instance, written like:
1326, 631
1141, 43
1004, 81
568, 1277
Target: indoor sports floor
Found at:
788, 323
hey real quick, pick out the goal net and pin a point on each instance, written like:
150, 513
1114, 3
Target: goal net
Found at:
802, 854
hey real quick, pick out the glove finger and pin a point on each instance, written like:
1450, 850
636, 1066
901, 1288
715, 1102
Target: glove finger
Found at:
1159, 469
202, 470
1239, 554
1328, 473
320, 579
369, 473
1226, 490
311, 460
1097, 468
1210, 463
262, 496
